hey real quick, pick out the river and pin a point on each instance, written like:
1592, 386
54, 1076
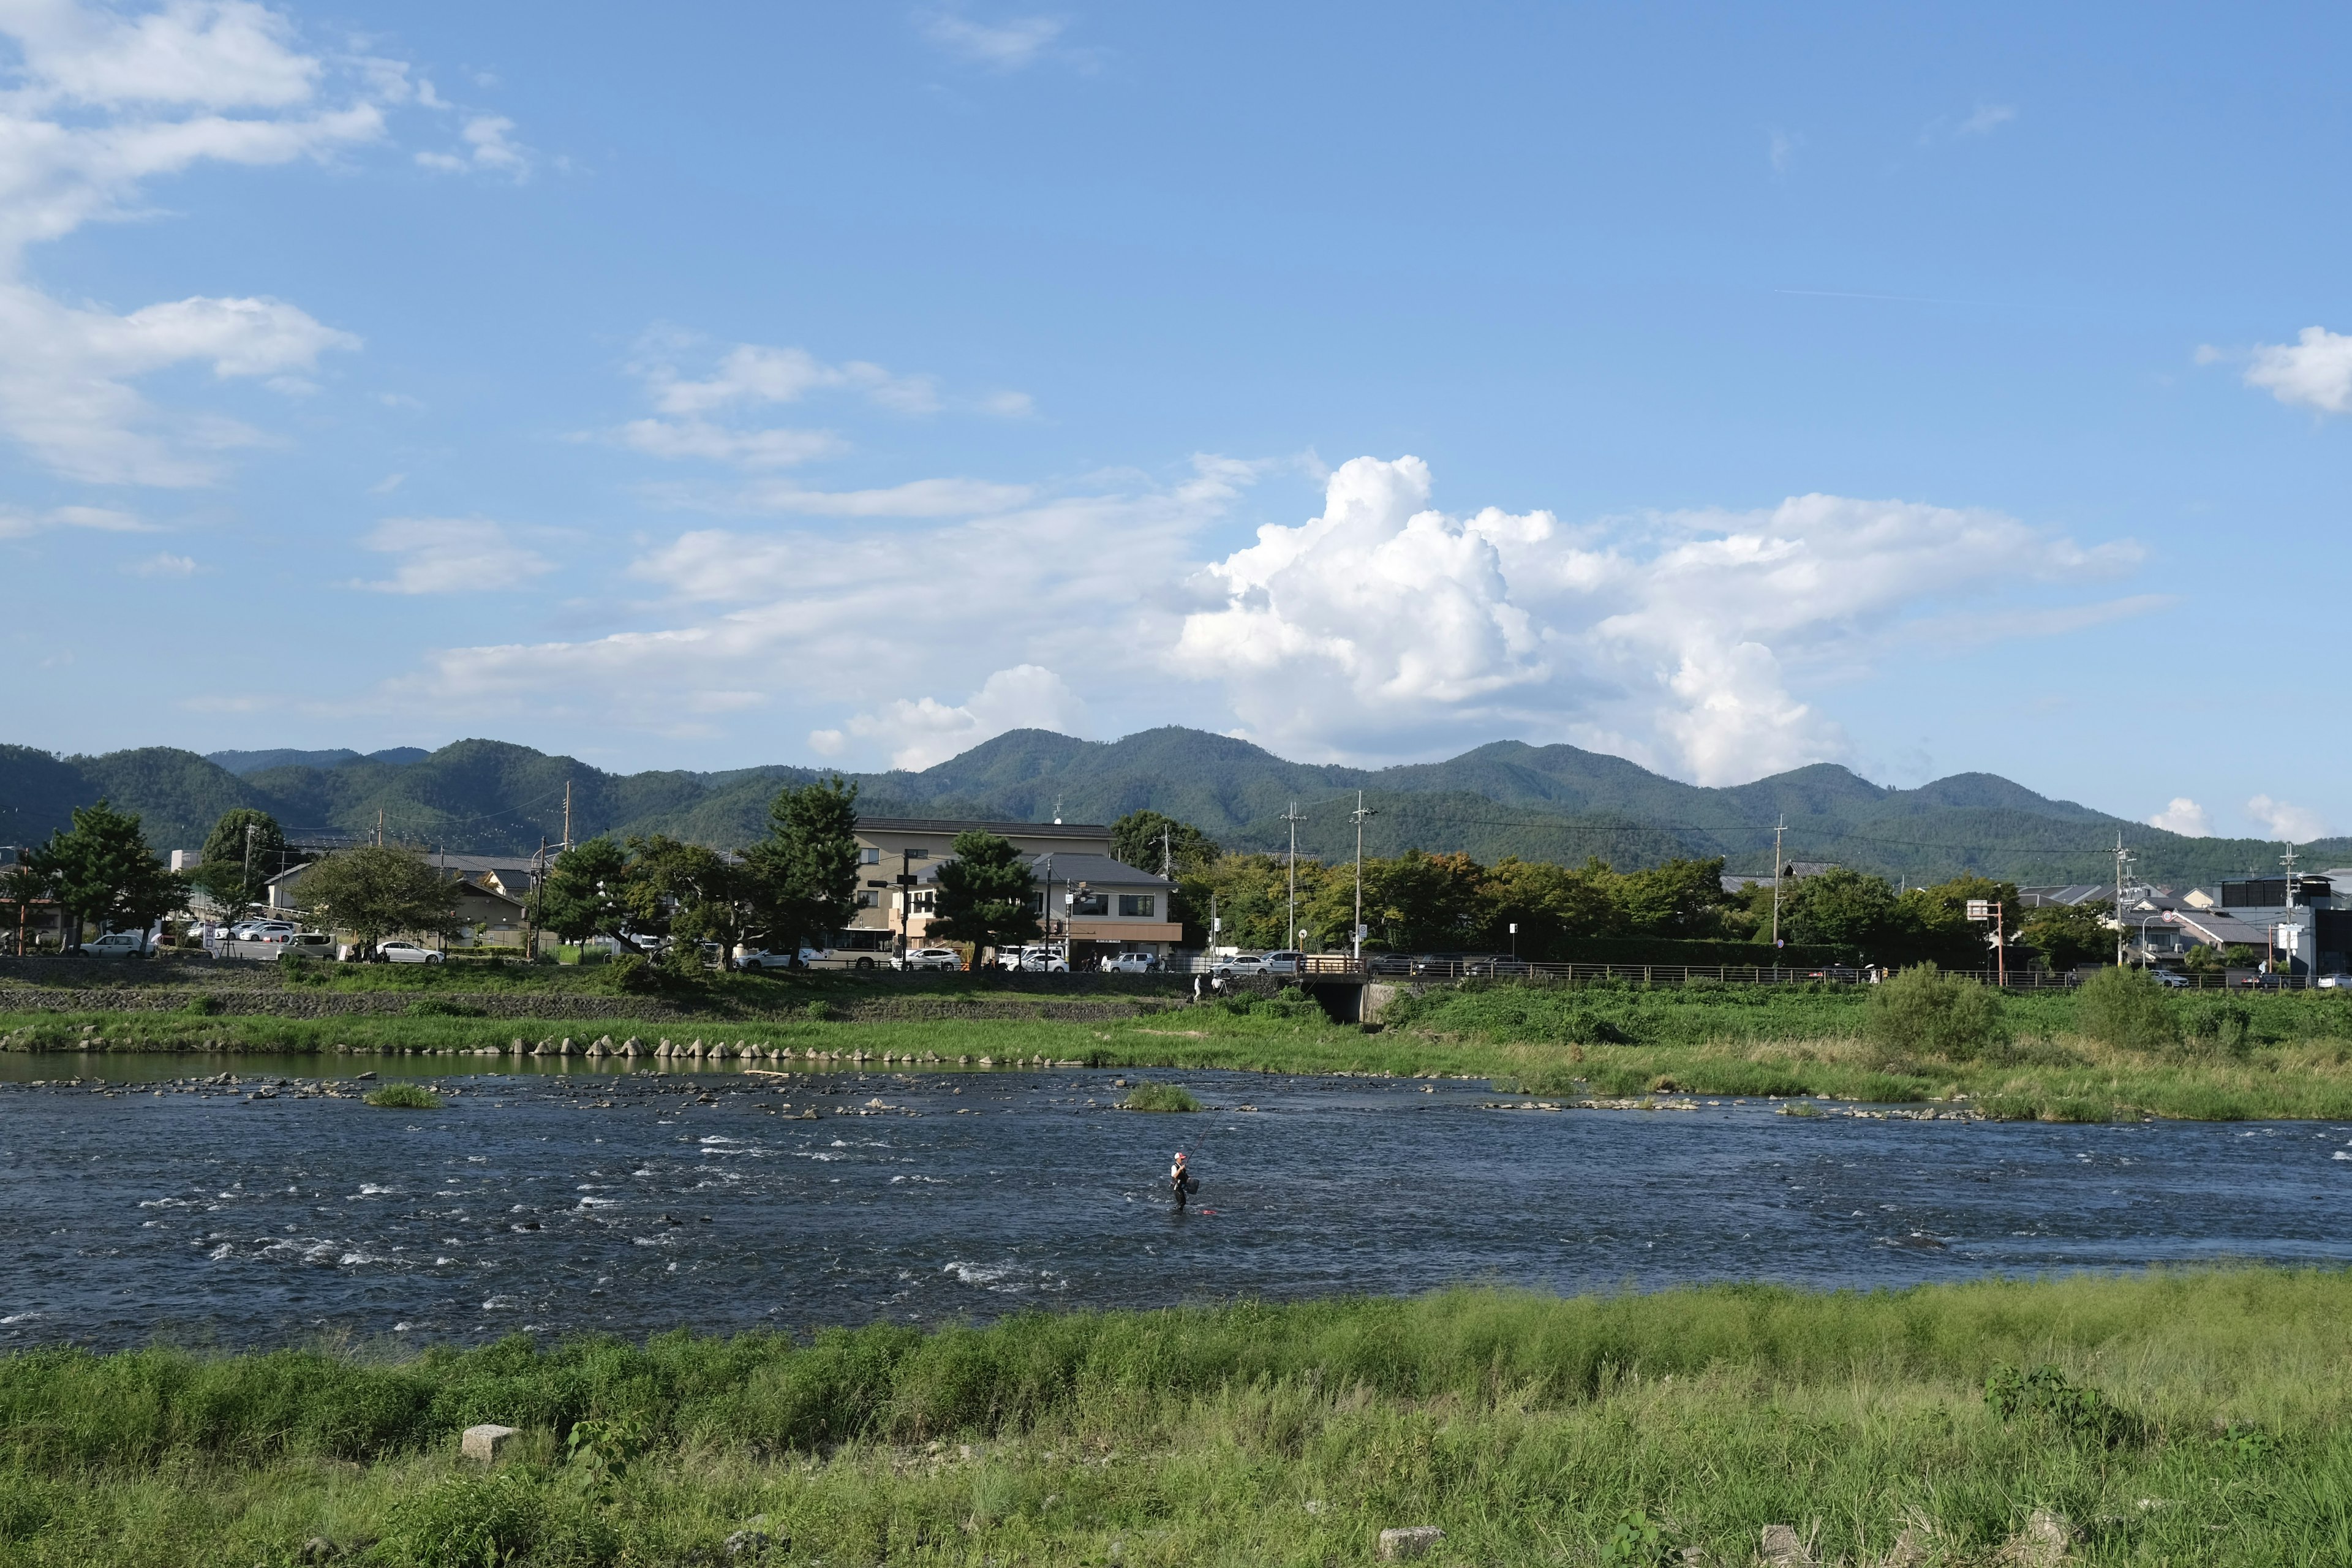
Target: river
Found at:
565, 1199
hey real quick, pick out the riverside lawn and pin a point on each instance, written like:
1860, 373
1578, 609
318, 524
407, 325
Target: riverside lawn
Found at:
2194, 1416
2280, 1055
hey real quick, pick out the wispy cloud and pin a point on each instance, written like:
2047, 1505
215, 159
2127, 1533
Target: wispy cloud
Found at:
1009, 45
1987, 119
451, 556
163, 564
1781, 149
16, 523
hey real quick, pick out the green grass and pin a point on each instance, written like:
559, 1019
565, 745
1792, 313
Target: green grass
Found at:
403, 1097
2272, 1055
1160, 1097
2182, 1418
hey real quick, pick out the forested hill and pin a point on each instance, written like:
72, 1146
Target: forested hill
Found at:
1553, 803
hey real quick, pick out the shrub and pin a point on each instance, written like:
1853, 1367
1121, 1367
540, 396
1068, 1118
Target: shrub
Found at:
204, 1006
2126, 1007
1923, 1012
405, 1097
434, 1007
629, 974
2221, 1027
823, 1011
2045, 1394
1160, 1097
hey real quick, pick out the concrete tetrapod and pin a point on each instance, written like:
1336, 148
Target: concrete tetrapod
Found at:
487, 1442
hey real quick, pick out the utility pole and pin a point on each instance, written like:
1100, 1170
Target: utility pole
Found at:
2123, 860
1362, 812
1293, 818
1777, 829
567, 813
1168, 853
379, 827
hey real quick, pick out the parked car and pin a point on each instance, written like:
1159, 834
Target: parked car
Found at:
1130, 963
305, 944
117, 945
930, 958
1033, 959
1392, 963
760, 958
260, 930
2177, 981
1243, 963
398, 952
2334, 983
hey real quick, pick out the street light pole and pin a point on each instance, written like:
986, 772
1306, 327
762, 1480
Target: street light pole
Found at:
1360, 812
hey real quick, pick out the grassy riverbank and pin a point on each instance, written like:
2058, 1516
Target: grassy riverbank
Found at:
2279, 1056
2191, 1417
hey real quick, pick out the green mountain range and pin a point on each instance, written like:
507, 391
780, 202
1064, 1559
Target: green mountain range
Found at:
1552, 803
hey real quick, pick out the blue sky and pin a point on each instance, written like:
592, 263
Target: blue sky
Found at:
1929, 390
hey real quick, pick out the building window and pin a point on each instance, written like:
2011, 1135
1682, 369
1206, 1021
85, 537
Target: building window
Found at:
865, 900
869, 856
1036, 903
926, 902
1090, 903
1144, 904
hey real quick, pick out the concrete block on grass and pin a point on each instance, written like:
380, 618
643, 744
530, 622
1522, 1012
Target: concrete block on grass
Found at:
1783, 1549
487, 1443
1414, 1540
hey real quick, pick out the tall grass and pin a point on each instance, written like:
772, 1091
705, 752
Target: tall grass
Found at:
1527, 1426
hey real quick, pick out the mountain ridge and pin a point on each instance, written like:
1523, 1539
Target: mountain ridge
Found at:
1549, 802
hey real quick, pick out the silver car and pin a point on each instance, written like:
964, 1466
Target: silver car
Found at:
398, 952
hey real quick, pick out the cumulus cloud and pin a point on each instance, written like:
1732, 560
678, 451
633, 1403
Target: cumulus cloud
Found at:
163, 564
772, 449
1670, 639
2314, 371
97, 103
925, 730
2291, 822
451, 556
2184, 816
1009, 45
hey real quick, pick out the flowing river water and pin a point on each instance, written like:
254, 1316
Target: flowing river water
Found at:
565, 1199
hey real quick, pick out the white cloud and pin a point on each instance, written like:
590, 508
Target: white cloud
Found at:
708, 418
751, 372
2291, 822
66, 373
918, 497
1076, 583
1781, 149
18, 524
772, 449
451, 556
2184, 816
490, 148
97, 103
1987, 119
2314, 371
1382, 630
1671, 641
926, 731
386, 485
163, 564
1009, 45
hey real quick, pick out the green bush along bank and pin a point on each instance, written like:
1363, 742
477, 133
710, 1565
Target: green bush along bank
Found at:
2182, 1418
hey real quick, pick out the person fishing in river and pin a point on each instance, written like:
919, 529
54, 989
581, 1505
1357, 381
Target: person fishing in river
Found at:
1180, 1179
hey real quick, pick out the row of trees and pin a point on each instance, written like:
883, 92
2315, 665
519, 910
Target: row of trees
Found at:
1420, 902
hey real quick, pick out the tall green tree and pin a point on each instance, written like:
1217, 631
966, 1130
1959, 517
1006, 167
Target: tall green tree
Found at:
378, 890
244, 850
688, 892
1849, 909
2068, 935
102, 872
984, 894
1150, 841
803, 878
586, 892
